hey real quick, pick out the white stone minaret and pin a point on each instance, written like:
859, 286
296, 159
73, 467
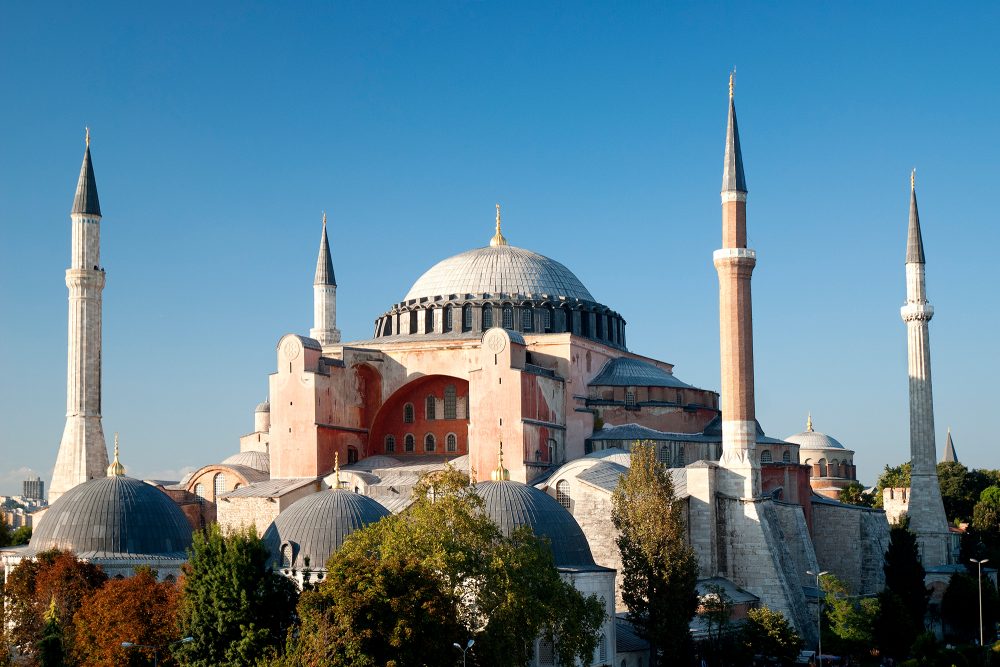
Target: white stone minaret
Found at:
926, 511
325, 296
735, 263
83, 454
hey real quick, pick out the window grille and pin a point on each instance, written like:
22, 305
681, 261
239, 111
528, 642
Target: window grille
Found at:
546, 653
450, 402
408, 442
765, 456
199, 490
547, 319
390, 444
447, 318
629, 398
680, 456
487, 316
429, 442
430, 405
408, 413
220, 484
467, 318
562, 493
527, 319
665, 455
508, 317
786, 457
451, 443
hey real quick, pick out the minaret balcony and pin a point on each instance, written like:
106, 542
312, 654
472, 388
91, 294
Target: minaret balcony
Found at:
917, 312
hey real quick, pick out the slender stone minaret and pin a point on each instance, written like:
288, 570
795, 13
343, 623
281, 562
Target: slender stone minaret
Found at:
735, 263
325, 296
926, 511
83, 454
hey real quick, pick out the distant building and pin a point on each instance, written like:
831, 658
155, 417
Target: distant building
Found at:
33, 488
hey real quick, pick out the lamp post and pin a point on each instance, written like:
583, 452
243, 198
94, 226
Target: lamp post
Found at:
980, 579
819, 617
157, 649
464, 650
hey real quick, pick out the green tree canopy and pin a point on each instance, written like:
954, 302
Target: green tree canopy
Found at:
659, 568
903, 603
892, 478
855, 494
960, 607
768, 633
403, 590
233, 606
849, 628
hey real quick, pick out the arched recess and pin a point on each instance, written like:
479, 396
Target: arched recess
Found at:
389, 419
370, 391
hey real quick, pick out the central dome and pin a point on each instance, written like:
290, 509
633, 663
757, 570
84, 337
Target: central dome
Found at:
501, 269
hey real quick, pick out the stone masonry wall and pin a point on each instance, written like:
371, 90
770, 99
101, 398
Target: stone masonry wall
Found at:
850, 542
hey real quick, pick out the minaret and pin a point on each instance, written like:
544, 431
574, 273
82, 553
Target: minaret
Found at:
83, 454
950, 456
735, 263
926, 511
325, 296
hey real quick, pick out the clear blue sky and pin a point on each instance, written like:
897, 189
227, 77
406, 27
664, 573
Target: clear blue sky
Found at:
222, 130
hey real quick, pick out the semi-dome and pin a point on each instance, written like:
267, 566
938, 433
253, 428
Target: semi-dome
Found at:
116, 515
314, 528
810, 439
513, 504
502, 269
260, 461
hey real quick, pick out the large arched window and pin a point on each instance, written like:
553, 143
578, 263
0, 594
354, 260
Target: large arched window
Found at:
487, 316
466, 318
562, 493
408, 442
450, 402
286, 555
408, 413
413, 321
199, 490
220, 484
429, 320
390, 444
665, 455
508, 317
451, 443
786, 457
527, 319
429, 442
430, 407
447, 318
547, 319
765, 456
822, 467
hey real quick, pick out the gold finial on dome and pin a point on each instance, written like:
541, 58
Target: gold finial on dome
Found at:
501, 473
87, 139
336, 470
809, 422
498, 238
116, 469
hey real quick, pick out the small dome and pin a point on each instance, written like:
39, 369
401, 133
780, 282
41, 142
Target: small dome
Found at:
317, 525
263, 407
498, 269
114, 515
513, 504
257, 460
814, 440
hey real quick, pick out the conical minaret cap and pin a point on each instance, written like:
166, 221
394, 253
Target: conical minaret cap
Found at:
324, 263
950, 455
733, 179
914, 240
86, 202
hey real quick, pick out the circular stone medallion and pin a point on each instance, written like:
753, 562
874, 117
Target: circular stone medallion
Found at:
496, 341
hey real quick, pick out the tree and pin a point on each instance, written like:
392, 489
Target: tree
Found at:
403, 590
986, 513
138, 609
716, 607
51, 651
960, 607
20, 536
892, 478
768, 633
233, 606
35, 584
855, 494
850, 621
659, 568
960, 489
903, 603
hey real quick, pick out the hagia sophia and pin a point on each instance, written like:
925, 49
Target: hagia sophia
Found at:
499, 361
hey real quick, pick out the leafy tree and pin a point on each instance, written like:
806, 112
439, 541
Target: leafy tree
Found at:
51, 652
850, 621
20, 536
659, 568
233, 606
5, 533
855, 494
986, 513
34, 585
716, 607
960, 607
892, 478
403, 590
137, 609
960, 489
768, 633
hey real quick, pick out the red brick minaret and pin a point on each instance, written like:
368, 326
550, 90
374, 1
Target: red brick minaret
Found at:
735, 262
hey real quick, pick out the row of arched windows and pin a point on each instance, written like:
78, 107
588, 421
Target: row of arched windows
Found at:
430, 406
430, 443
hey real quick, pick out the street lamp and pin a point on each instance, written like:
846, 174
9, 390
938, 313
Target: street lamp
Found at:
464, 650
980, 578
156, 649
819, 617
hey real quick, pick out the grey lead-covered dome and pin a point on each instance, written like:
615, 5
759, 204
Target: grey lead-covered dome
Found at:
501, 269
513, 504
814, 440
260, 461
118, 516
317, 525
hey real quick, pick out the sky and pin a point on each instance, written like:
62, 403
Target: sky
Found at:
221, 131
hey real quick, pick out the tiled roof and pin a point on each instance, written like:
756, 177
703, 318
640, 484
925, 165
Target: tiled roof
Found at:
603, 475
736, 594
274, 488
627, 372
499, 269
627, 639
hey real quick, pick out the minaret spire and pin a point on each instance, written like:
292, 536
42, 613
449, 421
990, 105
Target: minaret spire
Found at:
83, 453
950, 455
926, 510
325, 295
735, 263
